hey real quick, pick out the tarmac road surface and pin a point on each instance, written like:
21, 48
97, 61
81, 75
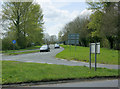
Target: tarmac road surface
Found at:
91, 83
49, 57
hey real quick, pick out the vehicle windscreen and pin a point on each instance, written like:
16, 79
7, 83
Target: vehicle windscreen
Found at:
45, 46
56, 45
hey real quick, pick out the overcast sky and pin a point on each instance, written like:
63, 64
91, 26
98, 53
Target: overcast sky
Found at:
57, 14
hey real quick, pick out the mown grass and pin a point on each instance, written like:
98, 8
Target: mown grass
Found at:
106, 56
18, 72
27, 50
17, 53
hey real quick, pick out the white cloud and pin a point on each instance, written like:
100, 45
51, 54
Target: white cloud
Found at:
56, 18
53, 30
64, 0
86, 12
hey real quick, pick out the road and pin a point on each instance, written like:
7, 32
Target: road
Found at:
91, 83
49, 57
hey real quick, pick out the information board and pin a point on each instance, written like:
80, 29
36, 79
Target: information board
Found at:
93, 47
73, 39
72, 42
74, 36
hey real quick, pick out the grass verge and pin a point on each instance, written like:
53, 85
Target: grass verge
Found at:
106, 56
19, 72
17, 53
27, 50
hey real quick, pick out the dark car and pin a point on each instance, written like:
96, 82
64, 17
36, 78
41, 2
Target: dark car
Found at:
45, 48
57, 46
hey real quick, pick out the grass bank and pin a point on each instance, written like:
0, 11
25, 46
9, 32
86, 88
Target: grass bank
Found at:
17, 53
22, 51
106, 56
18, 72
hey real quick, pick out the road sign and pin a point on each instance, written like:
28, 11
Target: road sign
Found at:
72, 42
74, 36
73, 39
14, 41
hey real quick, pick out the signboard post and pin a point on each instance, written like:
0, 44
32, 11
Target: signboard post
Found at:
95, 55
73, 39
90, 56
95, 49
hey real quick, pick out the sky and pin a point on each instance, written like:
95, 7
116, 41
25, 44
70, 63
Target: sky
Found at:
0, 21
57, 14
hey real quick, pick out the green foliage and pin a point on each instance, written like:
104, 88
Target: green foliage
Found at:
19, 72
78, 25
104, 22
96, 5
8, 45
105, 43
95, 23
25, 22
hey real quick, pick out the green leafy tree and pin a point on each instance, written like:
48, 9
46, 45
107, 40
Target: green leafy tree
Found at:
25, 21
78, 25
95, 26
104, 21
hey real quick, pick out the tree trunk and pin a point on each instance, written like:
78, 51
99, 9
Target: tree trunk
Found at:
111, 41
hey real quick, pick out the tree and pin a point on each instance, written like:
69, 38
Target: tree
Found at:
95, 26
110, 24
13, 12
107, 22
60, 34
46, 38
25, 21
78, 25
53, 39
33, 28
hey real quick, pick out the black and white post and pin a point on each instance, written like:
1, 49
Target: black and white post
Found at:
94, 49
90, 57
95, 56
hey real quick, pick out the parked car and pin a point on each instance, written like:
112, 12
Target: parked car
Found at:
57, 46
45, 48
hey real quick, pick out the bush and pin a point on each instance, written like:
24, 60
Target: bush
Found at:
105, 43
8, 45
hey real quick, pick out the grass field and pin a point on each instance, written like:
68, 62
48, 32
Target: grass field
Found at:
106, 56
18, 72
16, 52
